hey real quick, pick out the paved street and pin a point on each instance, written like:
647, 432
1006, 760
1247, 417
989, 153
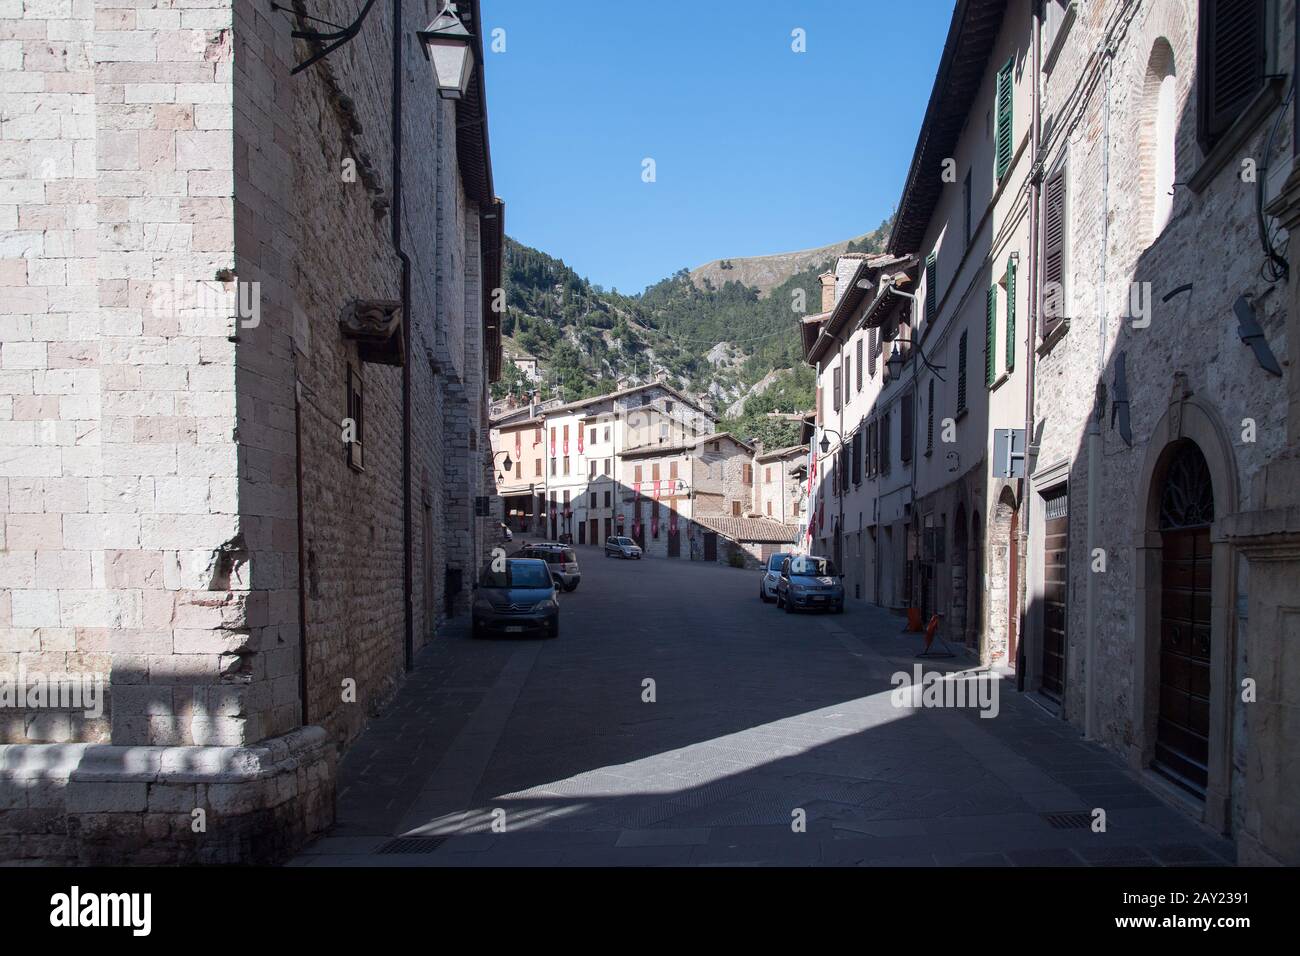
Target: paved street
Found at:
757, 715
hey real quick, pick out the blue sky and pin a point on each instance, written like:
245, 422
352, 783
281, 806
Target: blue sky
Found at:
757, 149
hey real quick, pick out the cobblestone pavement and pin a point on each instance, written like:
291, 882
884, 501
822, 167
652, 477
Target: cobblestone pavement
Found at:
757, 714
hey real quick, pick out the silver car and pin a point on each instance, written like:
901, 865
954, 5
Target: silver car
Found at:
771, 575
810, 581
562, 561
620, 547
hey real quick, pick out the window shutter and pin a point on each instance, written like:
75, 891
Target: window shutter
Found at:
931, 288
1011, 314
1232, 59
873, 350
859, 368
884, 444
929, 419
1053, 252
857, 456
905, 437
990, 333
961, 373
1003, 143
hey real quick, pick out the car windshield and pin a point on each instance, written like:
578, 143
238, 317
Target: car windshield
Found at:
774, 562
517, 574
624, 541
813, 567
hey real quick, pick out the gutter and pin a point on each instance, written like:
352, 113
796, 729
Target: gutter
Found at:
408, 570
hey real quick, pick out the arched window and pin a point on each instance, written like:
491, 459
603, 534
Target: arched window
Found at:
1159, 131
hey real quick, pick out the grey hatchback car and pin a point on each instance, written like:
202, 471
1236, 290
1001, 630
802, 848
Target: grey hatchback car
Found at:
561, 560
621, 547
808, 581
519, 598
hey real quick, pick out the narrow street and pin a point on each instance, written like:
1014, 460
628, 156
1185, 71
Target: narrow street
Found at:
757, 714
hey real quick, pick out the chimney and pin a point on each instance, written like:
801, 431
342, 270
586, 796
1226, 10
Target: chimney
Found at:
828, 290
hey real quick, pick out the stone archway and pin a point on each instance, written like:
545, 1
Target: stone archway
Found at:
1002, 557
960, 578
1187, 423
975, 606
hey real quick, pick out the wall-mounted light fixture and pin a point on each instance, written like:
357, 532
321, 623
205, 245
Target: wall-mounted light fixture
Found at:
447, 47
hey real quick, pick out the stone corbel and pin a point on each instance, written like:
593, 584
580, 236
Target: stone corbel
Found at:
376, 326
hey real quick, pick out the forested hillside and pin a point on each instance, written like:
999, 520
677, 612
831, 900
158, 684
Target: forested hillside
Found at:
711, 342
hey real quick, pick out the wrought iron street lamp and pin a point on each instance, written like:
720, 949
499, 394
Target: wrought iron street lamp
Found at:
448, 48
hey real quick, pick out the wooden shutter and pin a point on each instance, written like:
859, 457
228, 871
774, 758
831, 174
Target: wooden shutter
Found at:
884, 444
907, 412
1003, 143
1011, 314
929, 419
837, 399
859, 368
961, 373
931, 288
1053, 252
873, 350
857, 456
1232, 56
990, 333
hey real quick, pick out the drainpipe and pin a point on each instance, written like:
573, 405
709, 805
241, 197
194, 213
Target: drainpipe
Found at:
408, 570
1093, 595
1031, 333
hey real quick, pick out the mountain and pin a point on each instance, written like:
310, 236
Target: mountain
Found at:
733, 345
766, 272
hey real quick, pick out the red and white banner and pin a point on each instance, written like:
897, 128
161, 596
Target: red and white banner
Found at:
672, 521
519, 444
654, 527
656, 489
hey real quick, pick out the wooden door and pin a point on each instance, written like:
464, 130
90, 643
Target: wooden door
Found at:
1183, 724
1056, 582
710, 546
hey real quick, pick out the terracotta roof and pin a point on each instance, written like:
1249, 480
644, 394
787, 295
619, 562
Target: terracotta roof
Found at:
783, 452
650, 451
582, 403
760, 530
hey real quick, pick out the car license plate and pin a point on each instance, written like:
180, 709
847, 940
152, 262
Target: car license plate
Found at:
818, 598
514, 629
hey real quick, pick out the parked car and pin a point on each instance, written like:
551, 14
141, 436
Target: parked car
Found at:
561, 560
771, 574
618, 546
517, 599
809, 581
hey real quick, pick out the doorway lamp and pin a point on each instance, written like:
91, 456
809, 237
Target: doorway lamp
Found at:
895, 360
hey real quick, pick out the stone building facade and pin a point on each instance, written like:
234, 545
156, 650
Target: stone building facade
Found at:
244, 409
1127, 556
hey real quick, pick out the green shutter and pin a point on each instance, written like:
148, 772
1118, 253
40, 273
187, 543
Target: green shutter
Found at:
990, 332
931, 292
1002, 137
1011, 314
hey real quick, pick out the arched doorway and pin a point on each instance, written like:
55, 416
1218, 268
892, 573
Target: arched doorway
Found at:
1186, 496
975, 632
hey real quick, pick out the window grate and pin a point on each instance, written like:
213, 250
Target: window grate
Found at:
411, 845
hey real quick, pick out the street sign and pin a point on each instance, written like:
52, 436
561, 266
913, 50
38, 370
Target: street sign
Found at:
1009, 453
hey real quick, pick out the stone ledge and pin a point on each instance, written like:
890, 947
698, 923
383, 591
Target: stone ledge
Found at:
104, 804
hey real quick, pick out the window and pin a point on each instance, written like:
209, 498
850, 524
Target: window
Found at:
735, 509
566, 464
873, 350
654, 472
872, 453
848, 378
592, 439
672, 470
859, 364
769, 509
1011, 314
929, 419
606, 433
961, 373
537, 435
593, 499
990, 335
767, 475
884, 444
1003, 141
1157, 137
552, 467
966, 204
607, 499
1231, 58
537, 468
636, 474
1054, 229
356, 412
907, 412
931, 287
857, 457
607, 465
748, 474
837, 399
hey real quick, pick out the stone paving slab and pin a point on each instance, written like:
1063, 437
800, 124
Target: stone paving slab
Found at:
760, 720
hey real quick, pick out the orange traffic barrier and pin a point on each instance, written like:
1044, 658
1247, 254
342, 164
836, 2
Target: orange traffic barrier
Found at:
913, 619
